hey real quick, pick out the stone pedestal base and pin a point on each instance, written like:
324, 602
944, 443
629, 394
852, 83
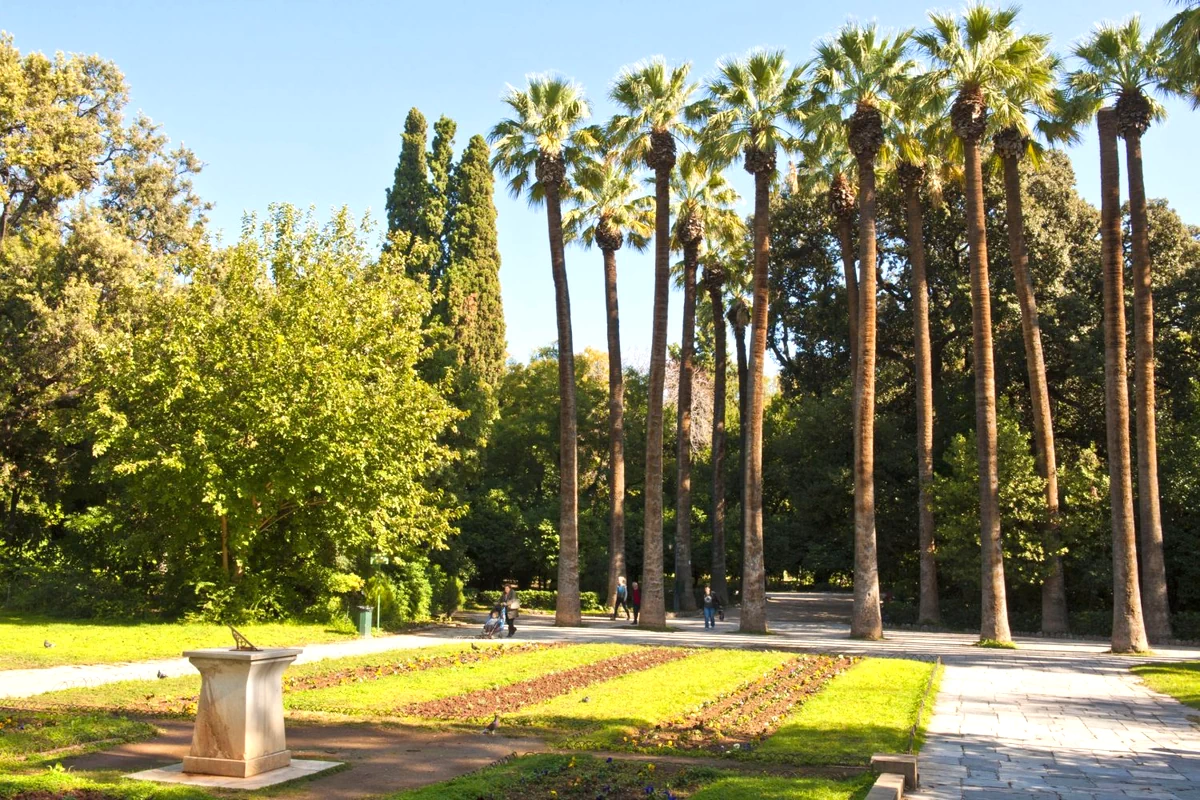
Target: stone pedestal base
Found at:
239, 720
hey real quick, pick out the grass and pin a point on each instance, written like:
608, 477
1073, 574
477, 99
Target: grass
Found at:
1180, 680
618, 708
59, 783
584, 777
868, 709
25, 734
23, 637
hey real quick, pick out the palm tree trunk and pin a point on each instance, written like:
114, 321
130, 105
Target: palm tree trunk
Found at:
1054, 590
994, 616
754, 579
866, 621
738, 319
616, 430
1128, 629
654, 612
567, 608
928, 611
684, 600
846, 239
1154, 571
720, 586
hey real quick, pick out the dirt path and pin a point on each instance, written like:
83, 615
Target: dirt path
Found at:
382, 759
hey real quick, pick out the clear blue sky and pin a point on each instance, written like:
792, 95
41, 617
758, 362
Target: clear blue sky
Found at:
304, 102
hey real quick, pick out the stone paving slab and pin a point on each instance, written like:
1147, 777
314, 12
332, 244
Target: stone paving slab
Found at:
1091, 730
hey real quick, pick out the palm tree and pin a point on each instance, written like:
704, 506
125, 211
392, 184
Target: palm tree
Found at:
827, 168
607, 214
748, 102
720, 252
1034, 95
920, 135
1119, 62
977, 58
535, 149
703, 206
1128, 629
653, 96
863, 70
1182, 34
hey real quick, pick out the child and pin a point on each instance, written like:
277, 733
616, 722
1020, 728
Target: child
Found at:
493, 625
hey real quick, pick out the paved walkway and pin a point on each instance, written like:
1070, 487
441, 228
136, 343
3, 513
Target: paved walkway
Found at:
1053, 730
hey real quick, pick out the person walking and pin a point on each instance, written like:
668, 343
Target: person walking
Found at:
710, 608
512, 607
636, 596
622, 600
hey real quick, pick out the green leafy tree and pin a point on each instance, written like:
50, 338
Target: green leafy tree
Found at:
748, 104
441, 163
1182, 33
407, 199
536, 148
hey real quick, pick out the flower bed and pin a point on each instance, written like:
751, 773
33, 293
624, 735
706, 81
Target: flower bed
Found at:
481, 704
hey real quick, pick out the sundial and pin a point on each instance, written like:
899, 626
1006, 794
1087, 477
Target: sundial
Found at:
241, 642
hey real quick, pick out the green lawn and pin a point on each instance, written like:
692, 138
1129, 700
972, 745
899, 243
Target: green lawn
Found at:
618, 708
1180, 680
62, 784
25, 734
23, 638
583, 777
867, 709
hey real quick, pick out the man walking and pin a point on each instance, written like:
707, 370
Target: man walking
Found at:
710, 609
637, 601
622, 601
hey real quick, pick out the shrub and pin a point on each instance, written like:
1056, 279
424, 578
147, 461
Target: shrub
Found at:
538, 599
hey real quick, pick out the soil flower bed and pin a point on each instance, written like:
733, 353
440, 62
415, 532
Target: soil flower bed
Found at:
481, 704
735, 721
417, 663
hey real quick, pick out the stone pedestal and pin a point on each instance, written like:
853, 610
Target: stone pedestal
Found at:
239, 721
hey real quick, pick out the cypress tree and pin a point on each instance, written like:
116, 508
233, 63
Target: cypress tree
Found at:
441, 160
475, 311
407, 199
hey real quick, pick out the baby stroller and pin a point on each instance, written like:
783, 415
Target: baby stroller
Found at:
493, 625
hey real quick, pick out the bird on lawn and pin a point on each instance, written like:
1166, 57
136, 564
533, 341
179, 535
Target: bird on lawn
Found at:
161, 674
47, 643
586, 699
474, 646
492, 726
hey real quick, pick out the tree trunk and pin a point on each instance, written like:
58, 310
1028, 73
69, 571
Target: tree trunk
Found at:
720, 587
754, 579
994, 618
225, 545
616, 430
929, 611
684, 600
866, 621
846, 239
654, 612
567, 608
1054, 590
1154, 571
1128, 628
739, 318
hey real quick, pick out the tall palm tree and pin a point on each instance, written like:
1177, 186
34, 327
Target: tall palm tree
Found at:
1034, 95
920, 135
652, 97
721, 250
977, 58
861, 69
1128, 629
610, 211
1119, 62
1182, 33
536, 147
703, 205
827, 168
747, 105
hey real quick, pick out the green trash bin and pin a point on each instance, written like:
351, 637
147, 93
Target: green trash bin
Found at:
363, 614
